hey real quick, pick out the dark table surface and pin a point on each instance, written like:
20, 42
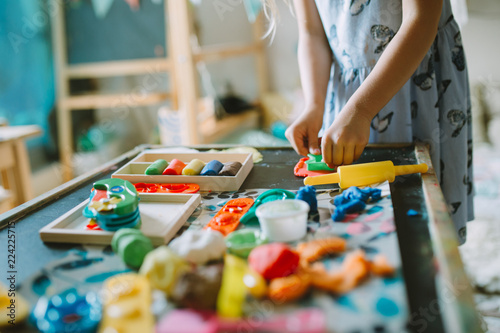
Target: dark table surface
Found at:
275, 171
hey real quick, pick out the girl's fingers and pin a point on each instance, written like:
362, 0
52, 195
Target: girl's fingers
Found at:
297, 142
326, 147
337, 155
348, 154
313, 143
358, 150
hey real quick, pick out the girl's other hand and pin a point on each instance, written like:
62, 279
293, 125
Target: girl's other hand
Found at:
344, 141
303, 133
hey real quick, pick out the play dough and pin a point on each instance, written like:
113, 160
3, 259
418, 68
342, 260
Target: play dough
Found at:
230, 169
162, 267
193, 168
198, 289
315, 249
273, 260
131, 245
199, 246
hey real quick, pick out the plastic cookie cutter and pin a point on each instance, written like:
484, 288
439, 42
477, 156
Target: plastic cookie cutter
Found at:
228, 218
167, 188
113, 204
315, 163
366, 174
127, 304
269, 195
67, 312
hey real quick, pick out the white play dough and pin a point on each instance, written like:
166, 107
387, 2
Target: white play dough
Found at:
199, 246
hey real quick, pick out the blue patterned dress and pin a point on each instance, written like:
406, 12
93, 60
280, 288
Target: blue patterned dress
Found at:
432, 107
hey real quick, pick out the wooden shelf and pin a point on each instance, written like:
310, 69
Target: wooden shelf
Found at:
119, 68
220, 52
213, 130
96, 101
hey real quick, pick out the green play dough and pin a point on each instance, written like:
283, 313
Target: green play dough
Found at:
132, 246
315, 163
157, 167
241, 242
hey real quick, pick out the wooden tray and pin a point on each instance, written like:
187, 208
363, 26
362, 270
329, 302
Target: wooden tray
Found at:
134, 170
162, 216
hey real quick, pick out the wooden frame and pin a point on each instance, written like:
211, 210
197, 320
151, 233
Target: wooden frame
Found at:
181, 63
160, 221
134, 170
459, 313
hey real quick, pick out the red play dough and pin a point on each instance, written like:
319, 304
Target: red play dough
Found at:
300, 169
273, 260
174, 168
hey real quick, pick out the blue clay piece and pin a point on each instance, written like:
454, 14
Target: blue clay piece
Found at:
212, 168
352, 206
411, 212
355, 193
308, 194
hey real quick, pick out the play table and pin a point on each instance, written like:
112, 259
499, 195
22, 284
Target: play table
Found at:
434, 296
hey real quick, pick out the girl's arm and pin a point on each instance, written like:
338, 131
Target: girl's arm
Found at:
345, 140
315, 60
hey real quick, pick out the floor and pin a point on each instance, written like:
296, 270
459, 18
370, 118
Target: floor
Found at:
482, 263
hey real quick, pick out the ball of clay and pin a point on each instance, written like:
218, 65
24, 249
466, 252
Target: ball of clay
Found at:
132, 246
198, 289
162, 267
273, 260
199, 246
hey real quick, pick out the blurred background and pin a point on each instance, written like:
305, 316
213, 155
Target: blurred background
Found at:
83, 81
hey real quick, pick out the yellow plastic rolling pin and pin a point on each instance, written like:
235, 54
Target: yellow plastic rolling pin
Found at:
366, 174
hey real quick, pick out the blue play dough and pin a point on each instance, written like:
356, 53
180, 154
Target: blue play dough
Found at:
308, 194
354, 200
358, 194
387, 307
352, 206
212, 168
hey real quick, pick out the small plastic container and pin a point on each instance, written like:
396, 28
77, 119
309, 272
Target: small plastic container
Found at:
283, 220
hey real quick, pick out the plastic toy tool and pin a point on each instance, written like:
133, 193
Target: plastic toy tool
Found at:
114, 204
366, 174
228, 218
315, 163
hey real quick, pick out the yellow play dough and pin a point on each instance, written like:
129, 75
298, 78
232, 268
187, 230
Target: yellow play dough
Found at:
193, 168
162, 267
126, 304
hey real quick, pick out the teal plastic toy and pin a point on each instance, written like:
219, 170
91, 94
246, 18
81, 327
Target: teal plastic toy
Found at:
315, 163
114, 204
270, 195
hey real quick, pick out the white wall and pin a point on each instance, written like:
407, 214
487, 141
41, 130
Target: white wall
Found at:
230, 25
481, 39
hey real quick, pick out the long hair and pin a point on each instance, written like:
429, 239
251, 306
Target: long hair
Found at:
272, 16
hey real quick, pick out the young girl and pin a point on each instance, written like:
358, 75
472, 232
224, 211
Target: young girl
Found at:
383, 71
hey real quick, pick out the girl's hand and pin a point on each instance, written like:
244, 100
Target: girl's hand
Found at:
303, 133
344, 141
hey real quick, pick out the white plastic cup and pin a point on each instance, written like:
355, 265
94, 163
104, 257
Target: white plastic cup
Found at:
283, 220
